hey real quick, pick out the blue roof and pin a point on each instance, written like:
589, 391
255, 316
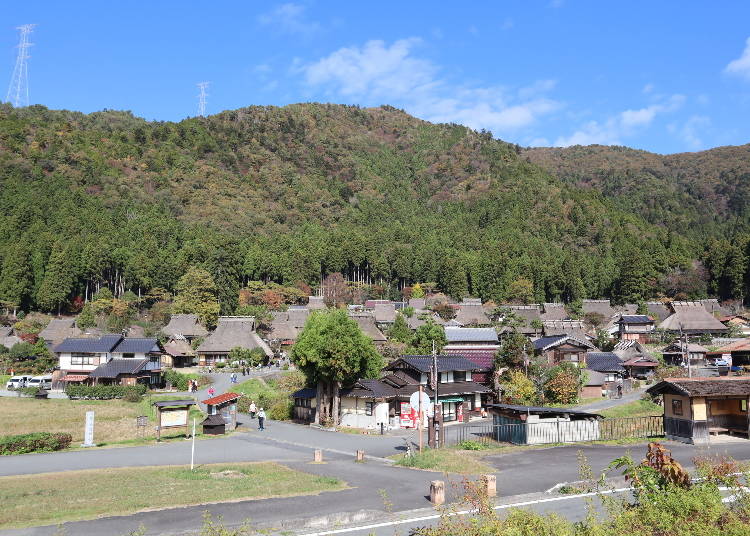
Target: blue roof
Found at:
103, 344
110, 344
604, 362
470, 334
133, 345
543, 342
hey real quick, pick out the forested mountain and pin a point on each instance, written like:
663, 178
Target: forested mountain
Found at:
700, 194
292, 194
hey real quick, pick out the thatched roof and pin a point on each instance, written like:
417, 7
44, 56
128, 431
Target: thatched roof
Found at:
721, 386
234, 332
60, 329
369, 328
186, 325
602, 307
471, 313
554, 311
385, 313
692, 317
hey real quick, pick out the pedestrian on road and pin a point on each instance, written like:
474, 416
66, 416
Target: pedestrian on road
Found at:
211, 391
234, 377
261, 419
253, 409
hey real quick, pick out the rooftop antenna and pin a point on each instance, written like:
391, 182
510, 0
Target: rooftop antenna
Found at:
203, 86
18, 90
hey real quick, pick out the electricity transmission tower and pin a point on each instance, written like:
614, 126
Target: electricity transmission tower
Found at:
18, 90
202, 98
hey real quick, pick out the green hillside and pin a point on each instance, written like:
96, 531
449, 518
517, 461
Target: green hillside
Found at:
292, 194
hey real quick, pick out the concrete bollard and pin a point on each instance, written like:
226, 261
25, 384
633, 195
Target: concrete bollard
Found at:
489, 485
437, 492
318, 456
360, 455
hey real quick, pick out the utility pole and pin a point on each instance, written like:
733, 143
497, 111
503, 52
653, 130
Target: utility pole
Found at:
203, 86
18, 89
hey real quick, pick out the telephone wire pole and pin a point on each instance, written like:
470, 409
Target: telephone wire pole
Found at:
18, 89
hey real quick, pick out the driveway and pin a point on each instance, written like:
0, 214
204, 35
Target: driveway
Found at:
632, 396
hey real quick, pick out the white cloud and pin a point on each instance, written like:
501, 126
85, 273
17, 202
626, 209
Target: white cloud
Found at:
378, 73
615, 128
289, 18
692, 130
741, 66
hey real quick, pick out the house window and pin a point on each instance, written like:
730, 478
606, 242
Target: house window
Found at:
610, 377
449, 411
126, 355
81, 359
459, 375
677, 407
743, 405
368, 408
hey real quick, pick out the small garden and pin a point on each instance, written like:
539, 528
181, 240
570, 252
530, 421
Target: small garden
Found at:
274, 394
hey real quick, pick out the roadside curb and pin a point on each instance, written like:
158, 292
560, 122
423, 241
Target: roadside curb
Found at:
324, 449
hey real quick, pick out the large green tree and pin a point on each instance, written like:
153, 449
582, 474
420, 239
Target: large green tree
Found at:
196, 293
332, 351
400, 331
58, 276
424, 337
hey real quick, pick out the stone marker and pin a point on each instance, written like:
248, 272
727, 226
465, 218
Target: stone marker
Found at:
318, 456
437, 492
360, 455
489, 484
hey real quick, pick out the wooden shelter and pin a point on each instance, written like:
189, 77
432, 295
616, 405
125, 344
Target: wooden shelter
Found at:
225, 406
695, 409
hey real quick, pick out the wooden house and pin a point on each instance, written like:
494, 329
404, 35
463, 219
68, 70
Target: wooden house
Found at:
231, 332
677, 354
635, 327
531, 425
692, 318
563, 348
185, 325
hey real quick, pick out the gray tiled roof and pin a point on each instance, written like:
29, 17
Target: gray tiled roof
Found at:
603, 362
542, 343
131, 345
103, 344
635, 319
116, 367
454, 334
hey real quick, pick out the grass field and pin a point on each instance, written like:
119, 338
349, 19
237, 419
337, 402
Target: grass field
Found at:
638, 408
52, 498
3, 380
114, 419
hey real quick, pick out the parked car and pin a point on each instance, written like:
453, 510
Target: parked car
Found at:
42, 382
17, 382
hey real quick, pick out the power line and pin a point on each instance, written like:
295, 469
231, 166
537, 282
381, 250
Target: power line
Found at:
18, 90
203, 86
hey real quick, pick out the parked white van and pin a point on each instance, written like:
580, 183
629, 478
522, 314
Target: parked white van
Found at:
42, 382
17, 382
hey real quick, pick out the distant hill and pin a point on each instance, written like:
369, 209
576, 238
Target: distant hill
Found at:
292, 194
703, 193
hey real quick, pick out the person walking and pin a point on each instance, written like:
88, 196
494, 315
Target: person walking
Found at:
253, 409
211, 392
261, 419
233, 377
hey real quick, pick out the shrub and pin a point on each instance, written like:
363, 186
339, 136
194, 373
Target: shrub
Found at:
281, 410
132, 396
469, 444
27, 391
36, 442
221, 364
103, 392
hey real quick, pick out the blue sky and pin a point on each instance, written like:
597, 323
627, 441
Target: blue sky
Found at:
668, 76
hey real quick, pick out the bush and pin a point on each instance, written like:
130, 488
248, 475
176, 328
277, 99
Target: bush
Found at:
468, 444
132, 396
281, 410
220, 364
27, 391
103, 392
36, 442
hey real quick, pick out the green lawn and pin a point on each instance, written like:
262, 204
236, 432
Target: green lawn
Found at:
638, 408
448, 460
51, 498
3, 380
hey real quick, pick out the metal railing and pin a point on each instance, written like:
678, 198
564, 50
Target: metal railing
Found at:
560, 431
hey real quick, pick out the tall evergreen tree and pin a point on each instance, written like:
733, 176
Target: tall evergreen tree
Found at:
57, 282
196, 293
15, 276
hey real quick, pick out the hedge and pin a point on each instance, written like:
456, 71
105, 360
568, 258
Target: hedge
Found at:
36, 442
104, 392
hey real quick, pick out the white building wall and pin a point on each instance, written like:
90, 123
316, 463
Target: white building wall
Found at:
560, 430
353, 412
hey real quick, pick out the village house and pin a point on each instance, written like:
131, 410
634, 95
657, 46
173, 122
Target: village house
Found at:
599, 307
368, 402
676, 354
691, 318
572, 328
563, 348
366, 322
8, 338
636, 360
734, 354
609, 365
478, 345
231, 332
287, 325
658, 311
635, 327
316, 303
740, 322
178, 353
385, 314
185, 325
529, 318
109, 359
699, 410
